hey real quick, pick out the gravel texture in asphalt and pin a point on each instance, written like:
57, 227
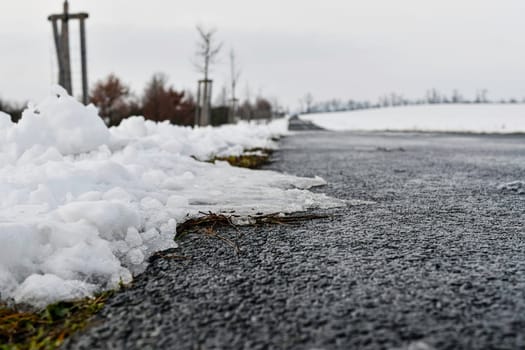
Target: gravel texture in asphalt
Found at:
433, 258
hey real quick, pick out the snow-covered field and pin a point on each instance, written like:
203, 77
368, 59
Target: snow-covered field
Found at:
83, 206
476, 118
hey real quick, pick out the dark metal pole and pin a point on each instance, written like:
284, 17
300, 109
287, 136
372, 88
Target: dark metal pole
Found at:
85, 92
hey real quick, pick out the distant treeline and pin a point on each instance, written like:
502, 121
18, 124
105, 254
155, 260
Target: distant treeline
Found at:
433, 96
159, 101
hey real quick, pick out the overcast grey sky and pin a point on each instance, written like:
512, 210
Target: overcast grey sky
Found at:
331, 48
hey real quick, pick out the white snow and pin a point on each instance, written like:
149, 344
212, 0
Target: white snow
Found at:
476, 118
83, 207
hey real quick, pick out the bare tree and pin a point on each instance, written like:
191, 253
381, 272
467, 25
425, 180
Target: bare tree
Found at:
207, 50
433, 96
222, 98
247, 92
161, 102
235, 74
263, 108
456, 96
277, 109
484, 98
111, 96
308, 101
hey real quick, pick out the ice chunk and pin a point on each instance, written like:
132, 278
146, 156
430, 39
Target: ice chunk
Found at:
60, 121
40, 290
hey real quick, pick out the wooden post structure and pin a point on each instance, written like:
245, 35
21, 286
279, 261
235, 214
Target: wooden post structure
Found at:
61, 38
83, 58
203, 113
233, 109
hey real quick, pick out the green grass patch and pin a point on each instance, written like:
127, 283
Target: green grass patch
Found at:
48, 328
251, 159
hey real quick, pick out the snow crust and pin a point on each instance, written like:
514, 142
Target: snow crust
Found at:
476, 118
82, 207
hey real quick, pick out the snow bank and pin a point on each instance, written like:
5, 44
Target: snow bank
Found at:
83, 207
477, 118
57, 122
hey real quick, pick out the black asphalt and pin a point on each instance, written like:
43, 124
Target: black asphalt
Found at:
435, 259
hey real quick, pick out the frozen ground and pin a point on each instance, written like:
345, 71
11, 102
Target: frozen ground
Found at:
475, 118
82, 207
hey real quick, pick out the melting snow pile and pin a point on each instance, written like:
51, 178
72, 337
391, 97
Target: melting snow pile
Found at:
82, 206
477, 118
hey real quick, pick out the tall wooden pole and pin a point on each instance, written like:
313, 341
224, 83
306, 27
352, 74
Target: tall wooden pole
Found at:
198, 107
205, 112
56, 37
61, 38
85, 92
64, 47
204, 93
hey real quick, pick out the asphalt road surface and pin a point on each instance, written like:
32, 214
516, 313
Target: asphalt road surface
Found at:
434, 258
